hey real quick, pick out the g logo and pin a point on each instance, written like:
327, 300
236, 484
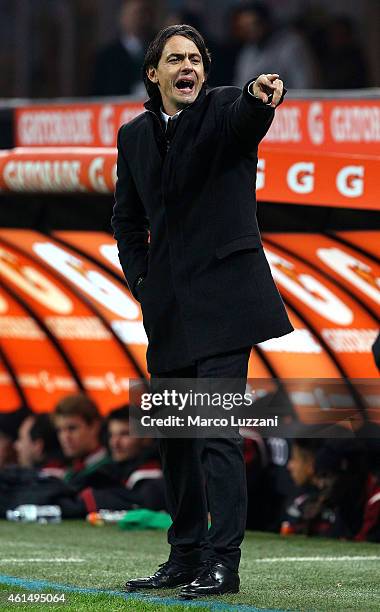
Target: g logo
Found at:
315, 123
106, 125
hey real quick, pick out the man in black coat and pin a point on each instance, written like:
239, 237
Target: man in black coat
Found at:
117, 66
186, 174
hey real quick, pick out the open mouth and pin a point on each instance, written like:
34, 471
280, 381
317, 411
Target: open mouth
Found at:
185, 86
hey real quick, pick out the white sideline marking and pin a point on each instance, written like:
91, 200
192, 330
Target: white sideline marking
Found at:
42, 560
264, 560
344, 558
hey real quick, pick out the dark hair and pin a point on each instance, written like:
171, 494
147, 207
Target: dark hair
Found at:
308, 445
43, 429
156, 47
78, 405
339, 456
11, 421
262, 10
119, 414
345, 21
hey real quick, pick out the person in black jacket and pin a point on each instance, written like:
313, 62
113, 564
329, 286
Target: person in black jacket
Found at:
186, 173
37, 445
116, 69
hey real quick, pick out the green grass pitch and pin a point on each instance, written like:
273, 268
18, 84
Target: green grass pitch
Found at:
277, 573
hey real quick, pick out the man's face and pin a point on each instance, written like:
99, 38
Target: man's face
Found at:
121, 444
76, 437
29, 452
179, 75
301, 466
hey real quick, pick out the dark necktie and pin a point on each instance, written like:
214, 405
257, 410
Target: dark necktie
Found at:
170, 129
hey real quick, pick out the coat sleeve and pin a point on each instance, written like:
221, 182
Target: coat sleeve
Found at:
129, 222
247, 119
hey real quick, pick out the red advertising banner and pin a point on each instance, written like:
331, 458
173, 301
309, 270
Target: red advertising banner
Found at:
63, 170
88, 124
335, 126
322, 180
282, 176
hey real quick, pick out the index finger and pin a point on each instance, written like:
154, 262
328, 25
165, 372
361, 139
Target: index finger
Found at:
277, 93
268, 80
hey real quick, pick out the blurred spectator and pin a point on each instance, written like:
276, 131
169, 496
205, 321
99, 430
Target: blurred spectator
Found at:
272, 50
301, 464
301, 467
190, 16
37, 445
370, 527
134, 475
78, 422
117, 68
348, 491
9, 425
345, 499
225, 54
123, 446
342, 60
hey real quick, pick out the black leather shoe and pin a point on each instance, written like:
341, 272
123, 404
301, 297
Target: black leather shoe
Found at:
214, 579
168, 576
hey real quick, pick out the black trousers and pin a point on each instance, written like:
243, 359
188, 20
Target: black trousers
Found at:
207, 475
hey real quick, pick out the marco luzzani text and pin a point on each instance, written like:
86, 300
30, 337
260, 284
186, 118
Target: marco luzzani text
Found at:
181, 401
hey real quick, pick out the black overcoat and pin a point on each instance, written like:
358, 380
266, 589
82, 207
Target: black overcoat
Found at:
208, 286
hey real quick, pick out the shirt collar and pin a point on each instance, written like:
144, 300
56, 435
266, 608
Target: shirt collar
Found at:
132, 44
167, 117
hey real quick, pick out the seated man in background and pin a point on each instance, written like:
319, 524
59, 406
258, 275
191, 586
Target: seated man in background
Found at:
135, 476
37, 445
78, 424
301, 467
343, 496
349, 492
